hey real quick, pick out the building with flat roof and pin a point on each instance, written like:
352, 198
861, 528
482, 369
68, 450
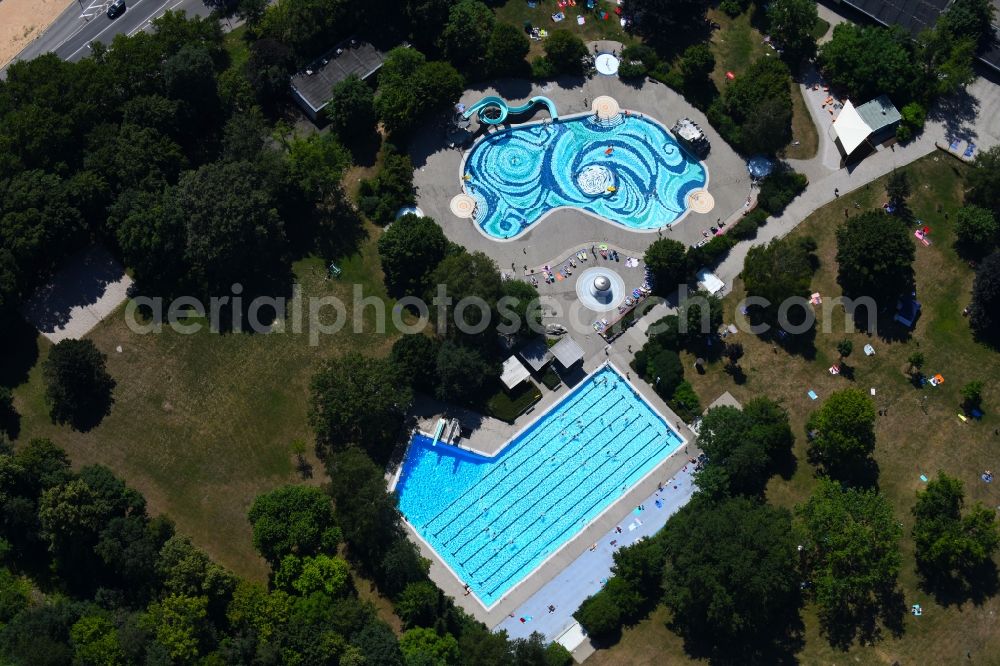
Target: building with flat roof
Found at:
312, 88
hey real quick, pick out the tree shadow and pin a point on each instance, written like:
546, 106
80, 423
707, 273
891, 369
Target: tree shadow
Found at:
863, 621
860, 473
958, 113
777, 647
975, 584
363, 148
89, 417
18, 350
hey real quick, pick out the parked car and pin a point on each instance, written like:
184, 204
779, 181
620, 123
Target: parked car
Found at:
116, 9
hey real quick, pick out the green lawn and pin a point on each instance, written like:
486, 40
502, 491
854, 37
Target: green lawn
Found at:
203, 423
920, 433
236, 46
508, 405
736, 45
517, 12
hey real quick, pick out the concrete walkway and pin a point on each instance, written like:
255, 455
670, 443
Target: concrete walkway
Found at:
587, 574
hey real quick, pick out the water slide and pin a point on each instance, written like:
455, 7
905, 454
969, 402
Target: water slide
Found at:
492, 101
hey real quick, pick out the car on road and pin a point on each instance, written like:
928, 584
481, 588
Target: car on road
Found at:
115, 9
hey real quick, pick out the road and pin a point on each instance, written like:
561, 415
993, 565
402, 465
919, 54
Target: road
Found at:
86, 21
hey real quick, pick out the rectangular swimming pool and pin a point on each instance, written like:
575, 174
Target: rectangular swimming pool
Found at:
494, 520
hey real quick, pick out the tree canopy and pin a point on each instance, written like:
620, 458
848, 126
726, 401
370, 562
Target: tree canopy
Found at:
357, 400
852, 557
410, 250
731, 579
983, 180
565, 51
779, 271
658, 21
744, 446
875, 257
665, 258
984, 311
78, 388
351, 110
754, 112
410, 86
791, 23
951, 549
976, 231
842, 434
868, 61
293, 520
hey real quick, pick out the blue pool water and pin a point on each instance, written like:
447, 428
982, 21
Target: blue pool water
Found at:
519, 174
493, 520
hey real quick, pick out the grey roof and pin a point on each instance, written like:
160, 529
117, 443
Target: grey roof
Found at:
352, 56
914, 15
878, 113
567, 352
513, 372
536, 354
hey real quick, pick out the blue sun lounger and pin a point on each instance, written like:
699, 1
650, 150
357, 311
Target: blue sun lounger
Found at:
968, 151
953, 146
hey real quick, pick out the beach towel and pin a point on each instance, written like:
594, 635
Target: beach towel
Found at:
923, 478
963, 418
580, 20
812, 395
558, 16
816, 299
869, 350
976, 414
834, 370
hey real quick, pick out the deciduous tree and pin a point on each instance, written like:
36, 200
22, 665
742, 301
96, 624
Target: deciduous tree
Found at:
852, 555
410, 250
293, 520
952, 549
984, 311
78, 388
875, 257
842, 434
357, 400
731, 579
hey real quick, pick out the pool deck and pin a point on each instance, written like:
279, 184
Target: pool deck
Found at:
493, 438
583, 577
437, 174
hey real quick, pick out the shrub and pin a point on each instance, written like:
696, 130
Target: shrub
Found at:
632, 69
912, 123
542, 68
732, 8
778, 189
599, 615
685, 402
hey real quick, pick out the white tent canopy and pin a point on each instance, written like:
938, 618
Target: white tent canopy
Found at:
567, 352
710, 282
513, 373
851, 128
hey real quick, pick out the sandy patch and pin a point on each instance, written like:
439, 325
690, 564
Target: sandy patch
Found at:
23, 20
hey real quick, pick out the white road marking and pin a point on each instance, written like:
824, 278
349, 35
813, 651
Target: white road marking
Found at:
110, 25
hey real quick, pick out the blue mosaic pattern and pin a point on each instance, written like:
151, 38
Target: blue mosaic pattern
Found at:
519, 174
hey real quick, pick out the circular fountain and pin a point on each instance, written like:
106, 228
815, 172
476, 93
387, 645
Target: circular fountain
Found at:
600, 289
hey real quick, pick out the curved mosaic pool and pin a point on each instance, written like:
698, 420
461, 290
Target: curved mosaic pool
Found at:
630, 171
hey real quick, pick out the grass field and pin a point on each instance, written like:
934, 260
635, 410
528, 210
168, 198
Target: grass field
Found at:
920, 433
517, 12
203, 423
736, 45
